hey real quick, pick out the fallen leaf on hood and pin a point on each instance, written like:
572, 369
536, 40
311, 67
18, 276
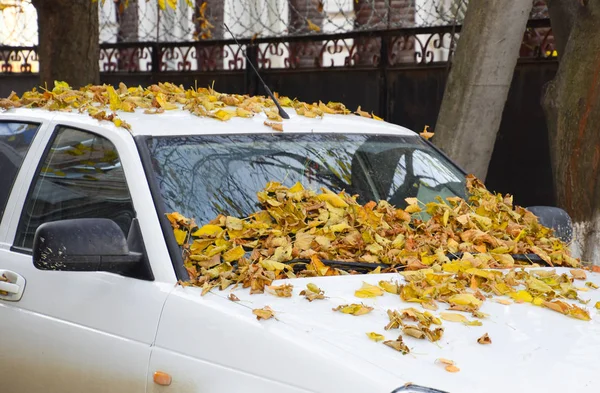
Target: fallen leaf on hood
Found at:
452, 317
449, 365
354, 309
398, 345
597, 305
284, 290
485, 339
578, 274
233, 298
570, 310
367, 290
376, 336
263, 313
390, 287
312, 292
590, 284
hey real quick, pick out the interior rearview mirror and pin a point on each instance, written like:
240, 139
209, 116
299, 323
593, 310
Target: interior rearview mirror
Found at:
83, 244
555, 218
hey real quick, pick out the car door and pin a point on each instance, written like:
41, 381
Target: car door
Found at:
65, 331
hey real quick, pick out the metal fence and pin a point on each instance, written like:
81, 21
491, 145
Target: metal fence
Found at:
277, 33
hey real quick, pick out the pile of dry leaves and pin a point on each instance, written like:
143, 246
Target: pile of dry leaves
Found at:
102, 102
301, 233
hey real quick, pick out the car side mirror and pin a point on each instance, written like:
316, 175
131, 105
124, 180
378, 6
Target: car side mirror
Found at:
555, 218
83, 244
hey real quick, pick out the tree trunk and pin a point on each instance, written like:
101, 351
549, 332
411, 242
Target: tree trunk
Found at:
304, 54
128, 20
68, 41
210, 57
572, 106
479, 81
562, 16
378, 15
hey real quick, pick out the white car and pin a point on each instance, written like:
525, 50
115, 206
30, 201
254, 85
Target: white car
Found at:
109, 316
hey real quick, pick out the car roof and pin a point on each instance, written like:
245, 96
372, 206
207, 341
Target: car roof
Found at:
182, 122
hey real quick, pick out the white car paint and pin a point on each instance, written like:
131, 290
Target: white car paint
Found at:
100, 332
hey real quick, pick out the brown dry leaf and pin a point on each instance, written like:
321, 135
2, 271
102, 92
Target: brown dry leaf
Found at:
398, 345
312, 292
485, 339
274, 125
354, 309
284, 290
263, 313
233, 298
578, 274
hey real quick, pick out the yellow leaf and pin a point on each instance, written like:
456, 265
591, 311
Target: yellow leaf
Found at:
333, 199
368, 290
263, 313
503, 301
449, 365
521, 296
597, 305
240, 112
426, 134
208, 230
162, 4
390, 287
312, 26
538, 285
113, 99
465, 299
375, 336
452, 317
354, 309
234, 254
271, 265
223, 114
180, 236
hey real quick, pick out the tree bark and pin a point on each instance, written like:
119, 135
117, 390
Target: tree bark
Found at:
68, 41
304, 54
210, 58
562, 16
128, 20
572, 106
479, 81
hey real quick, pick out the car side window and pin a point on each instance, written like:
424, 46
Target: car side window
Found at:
15, 139
80, 176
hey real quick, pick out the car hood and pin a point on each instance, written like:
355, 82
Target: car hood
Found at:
532, 349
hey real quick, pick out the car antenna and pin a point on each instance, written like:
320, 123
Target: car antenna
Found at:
282, 113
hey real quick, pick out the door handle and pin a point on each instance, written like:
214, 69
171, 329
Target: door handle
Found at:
11, 286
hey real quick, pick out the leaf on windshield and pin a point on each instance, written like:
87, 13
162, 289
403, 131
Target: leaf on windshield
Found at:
367, 290
180, 236
570, 310
354, 309
263, 313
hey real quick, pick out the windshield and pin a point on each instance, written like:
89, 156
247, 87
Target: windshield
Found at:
204, 176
